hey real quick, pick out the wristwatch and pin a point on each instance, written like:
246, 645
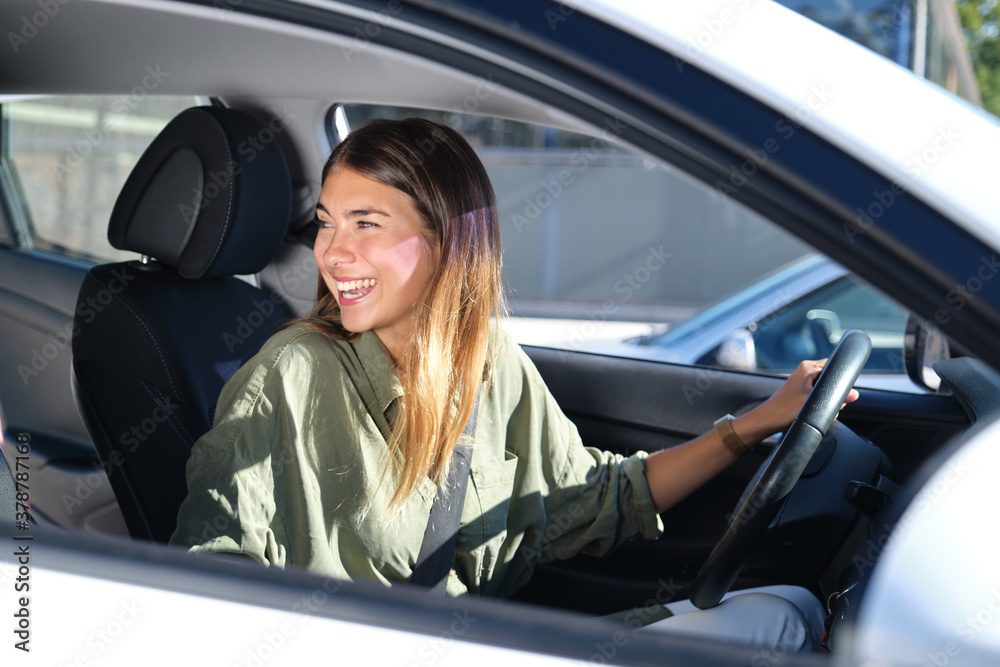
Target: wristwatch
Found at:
724, 427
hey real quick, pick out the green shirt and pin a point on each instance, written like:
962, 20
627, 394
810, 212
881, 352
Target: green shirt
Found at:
299, 444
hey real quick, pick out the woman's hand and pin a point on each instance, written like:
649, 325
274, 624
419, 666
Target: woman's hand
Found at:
776, 413
675, 472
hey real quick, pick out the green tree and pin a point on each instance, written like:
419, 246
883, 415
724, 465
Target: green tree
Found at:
981, 26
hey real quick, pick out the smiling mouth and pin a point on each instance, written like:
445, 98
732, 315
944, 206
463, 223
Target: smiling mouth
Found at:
355, 289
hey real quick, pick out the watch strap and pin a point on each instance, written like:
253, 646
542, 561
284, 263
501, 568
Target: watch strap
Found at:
733, 442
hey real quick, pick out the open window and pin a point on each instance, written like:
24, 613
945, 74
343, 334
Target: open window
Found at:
606, 251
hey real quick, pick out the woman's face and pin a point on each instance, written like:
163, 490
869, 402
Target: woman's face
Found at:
373, 254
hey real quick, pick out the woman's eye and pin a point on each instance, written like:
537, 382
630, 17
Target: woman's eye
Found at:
322, 224
364, 224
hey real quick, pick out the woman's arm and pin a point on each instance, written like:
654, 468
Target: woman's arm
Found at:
674, 473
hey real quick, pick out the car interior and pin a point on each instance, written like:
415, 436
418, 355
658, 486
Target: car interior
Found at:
113, 354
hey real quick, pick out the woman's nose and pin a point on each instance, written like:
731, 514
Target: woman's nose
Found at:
339, 249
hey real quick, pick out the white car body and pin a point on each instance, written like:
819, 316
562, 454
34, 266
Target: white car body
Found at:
883, 115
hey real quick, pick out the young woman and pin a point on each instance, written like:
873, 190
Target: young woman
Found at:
329, 445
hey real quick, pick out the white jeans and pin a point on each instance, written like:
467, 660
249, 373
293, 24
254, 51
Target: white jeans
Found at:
783, 618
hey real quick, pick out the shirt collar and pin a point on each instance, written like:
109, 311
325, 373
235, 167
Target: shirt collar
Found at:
379, 368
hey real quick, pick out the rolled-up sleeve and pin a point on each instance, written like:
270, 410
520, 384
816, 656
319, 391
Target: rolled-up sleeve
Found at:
569, 499
610, 498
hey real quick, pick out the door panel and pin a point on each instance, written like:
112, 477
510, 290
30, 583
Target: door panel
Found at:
37, 299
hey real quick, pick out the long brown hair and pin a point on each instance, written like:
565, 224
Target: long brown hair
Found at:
447, 357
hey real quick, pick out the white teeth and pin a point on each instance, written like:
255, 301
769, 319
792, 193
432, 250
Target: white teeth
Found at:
352, 285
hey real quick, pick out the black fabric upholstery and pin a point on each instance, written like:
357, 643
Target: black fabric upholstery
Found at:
154, 347
206, 170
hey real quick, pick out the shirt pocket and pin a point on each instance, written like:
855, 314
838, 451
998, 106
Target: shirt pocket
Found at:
485, 521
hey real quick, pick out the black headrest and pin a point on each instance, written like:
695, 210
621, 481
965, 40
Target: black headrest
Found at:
211, 196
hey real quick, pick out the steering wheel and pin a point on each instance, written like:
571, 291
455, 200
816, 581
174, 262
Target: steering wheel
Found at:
774, 481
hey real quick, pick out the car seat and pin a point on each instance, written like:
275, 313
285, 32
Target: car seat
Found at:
156, 339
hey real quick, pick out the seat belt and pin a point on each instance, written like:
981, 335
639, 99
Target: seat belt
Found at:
437, 552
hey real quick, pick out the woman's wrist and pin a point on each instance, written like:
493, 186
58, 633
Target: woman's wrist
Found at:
752, 427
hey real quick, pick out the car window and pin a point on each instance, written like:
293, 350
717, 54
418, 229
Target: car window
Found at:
813, 325
69, 157
606, 251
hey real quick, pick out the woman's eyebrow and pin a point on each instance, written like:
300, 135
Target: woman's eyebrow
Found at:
362, 212
356, 213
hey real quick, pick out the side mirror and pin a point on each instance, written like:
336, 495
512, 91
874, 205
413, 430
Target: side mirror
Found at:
737, 351
923, 346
